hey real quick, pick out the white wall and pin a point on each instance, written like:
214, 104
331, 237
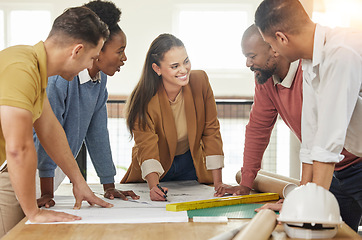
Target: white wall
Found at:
144, 20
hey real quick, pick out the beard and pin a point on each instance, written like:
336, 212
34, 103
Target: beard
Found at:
262, 75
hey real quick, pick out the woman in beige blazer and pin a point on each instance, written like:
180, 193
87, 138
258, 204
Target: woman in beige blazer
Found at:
172, 116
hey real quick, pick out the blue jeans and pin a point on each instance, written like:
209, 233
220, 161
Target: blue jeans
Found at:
347, 188
181, 169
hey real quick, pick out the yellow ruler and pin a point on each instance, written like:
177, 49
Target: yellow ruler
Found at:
218, 202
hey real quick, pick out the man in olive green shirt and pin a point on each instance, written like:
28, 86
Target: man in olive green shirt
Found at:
74, 42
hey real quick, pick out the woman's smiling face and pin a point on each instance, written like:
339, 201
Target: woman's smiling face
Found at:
174, 68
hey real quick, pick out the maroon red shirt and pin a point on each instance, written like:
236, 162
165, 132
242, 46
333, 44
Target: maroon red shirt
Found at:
271, 99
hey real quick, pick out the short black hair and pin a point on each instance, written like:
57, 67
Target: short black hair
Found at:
80, 23
280, 15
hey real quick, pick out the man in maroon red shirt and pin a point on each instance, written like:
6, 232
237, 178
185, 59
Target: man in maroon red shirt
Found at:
278, 90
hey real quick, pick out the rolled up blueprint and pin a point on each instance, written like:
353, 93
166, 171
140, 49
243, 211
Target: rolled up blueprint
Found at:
272, 183
265, 184
281, 177
229, 234
260, 227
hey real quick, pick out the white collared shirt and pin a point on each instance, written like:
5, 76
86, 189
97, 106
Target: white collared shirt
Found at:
288, 80
332, 96
85, 77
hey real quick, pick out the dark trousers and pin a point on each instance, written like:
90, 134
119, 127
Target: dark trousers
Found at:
347, 188
181, 169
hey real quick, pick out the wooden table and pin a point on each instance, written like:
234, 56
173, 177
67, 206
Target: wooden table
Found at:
147, 231
168, 231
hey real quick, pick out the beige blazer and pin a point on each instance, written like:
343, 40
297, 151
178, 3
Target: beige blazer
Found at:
160, 139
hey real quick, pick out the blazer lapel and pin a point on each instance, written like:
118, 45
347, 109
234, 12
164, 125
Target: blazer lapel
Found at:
168, 122
190, 115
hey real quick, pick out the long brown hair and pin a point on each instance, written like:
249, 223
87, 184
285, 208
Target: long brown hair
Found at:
150, 82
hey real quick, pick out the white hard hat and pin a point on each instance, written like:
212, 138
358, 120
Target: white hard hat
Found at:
310, 211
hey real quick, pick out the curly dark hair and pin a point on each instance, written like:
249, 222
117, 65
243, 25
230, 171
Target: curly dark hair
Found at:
108, 12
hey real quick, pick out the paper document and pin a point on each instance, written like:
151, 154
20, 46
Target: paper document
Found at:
178, 191
98, 215
132, 211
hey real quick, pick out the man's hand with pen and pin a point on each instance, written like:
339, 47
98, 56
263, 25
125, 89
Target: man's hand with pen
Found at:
157, 193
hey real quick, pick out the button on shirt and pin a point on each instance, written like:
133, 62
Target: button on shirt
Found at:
332, 96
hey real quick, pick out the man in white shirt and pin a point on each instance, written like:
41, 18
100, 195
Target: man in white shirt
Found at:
332, 95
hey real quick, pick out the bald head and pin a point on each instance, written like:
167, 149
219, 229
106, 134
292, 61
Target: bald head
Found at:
260, 57
253, 42
252, 33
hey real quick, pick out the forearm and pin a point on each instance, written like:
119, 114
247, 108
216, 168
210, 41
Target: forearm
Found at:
217, 176
47, 186
21, 157
98, 145
249, 171
56, 145
307, 173
108, 186
22, 168
257, 135
152, 179
323, 173
46, 165
320, 173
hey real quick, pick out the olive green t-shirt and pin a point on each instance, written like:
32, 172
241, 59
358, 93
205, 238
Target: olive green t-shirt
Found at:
23, 81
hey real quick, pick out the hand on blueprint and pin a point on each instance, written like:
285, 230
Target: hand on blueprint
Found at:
46, 201
272, 206
43, 215
223, 189
112, 193
156, 194
82, 192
